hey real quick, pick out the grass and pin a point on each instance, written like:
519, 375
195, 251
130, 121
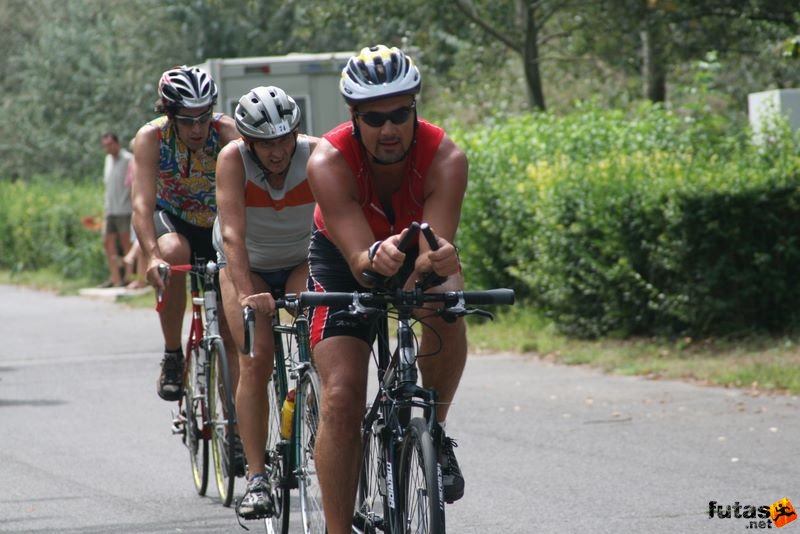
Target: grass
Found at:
45, 279
759, 363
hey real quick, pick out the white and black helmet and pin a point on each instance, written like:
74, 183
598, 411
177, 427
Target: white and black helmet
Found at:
266, 113
379, 72
187, 87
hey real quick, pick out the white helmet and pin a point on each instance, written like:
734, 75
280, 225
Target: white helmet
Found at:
379, 72
266, 113
187, 87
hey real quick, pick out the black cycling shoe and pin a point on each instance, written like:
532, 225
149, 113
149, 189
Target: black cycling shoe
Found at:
256, 502
170, 381
452, 479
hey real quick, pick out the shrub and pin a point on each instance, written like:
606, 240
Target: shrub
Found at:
639, 224
40, 226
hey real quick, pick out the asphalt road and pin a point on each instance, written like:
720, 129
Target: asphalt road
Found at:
85, 443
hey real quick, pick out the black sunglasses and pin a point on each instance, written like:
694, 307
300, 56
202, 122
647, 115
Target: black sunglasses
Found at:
376, 119
186, 120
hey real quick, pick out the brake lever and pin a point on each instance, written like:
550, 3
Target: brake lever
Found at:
163, 273
451, 314
248, 318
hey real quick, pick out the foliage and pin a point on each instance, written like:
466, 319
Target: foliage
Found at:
73, 70
40, 227
638, 224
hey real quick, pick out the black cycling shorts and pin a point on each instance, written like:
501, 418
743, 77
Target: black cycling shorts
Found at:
328, 271
199, 238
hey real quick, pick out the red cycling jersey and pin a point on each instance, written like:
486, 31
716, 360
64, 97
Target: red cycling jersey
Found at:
407, 202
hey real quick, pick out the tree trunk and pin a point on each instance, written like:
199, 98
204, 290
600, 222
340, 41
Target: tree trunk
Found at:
653, 71
530, 57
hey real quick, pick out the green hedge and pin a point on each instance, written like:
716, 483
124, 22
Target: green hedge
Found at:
40, 227
639, 224
610, 222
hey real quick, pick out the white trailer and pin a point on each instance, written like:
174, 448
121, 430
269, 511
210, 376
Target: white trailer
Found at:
311, 79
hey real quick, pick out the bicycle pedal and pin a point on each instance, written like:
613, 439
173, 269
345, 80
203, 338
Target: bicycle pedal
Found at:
178, 424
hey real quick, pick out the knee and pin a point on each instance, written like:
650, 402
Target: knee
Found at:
342, 409
254, 372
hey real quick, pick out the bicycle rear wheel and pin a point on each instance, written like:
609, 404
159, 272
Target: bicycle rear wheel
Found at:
420, 492
222, 421
193, 410
372, 507
307, 410
277, 457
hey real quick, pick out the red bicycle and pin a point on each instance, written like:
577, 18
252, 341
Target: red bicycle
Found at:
206, 411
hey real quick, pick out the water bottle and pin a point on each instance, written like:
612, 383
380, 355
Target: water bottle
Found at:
287, 415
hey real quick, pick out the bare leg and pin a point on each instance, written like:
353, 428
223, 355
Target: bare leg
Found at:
342, 363
125, 244
253, 374
110, 247
443, 370
175, 250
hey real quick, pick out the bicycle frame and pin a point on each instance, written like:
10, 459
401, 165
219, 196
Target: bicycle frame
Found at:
390, 498
206, 362
389, 414
292, 367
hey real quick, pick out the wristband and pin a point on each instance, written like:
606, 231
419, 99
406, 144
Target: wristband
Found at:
372, 250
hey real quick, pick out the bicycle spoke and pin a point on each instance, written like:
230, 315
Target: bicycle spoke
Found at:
310, 493
221, 419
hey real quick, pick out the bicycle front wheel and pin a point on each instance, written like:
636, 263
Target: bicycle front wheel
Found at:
222, 420
277, 458
194, 410
421, 496
372, 506
307, 413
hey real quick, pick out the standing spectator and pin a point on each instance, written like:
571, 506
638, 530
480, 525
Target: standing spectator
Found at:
117, 208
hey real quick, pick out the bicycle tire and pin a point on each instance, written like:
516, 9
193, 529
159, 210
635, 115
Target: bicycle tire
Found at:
195, 436
421, 495
222, 421
307, 413
372, 506
277, 458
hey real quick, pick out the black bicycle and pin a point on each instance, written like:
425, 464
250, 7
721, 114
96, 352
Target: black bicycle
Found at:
399, 485
294, 396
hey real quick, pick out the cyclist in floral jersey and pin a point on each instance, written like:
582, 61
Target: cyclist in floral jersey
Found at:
174, 198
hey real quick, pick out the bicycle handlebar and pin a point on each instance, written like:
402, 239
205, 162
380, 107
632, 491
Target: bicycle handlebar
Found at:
249, 321
413, 298
163, 272
394, 281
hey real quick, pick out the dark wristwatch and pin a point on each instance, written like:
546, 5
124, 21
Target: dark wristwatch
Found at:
372, 250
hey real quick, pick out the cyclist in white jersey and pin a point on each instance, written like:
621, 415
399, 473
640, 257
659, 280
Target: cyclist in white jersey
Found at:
263, 227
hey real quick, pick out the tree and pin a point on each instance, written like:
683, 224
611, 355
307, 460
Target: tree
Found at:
521, 29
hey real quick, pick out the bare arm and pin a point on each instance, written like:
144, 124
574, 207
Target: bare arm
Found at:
334, 188
445, 186
146, 160
232, 220
227, 130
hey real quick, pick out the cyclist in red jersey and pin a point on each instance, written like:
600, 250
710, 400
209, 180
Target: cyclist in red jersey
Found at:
371, 178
